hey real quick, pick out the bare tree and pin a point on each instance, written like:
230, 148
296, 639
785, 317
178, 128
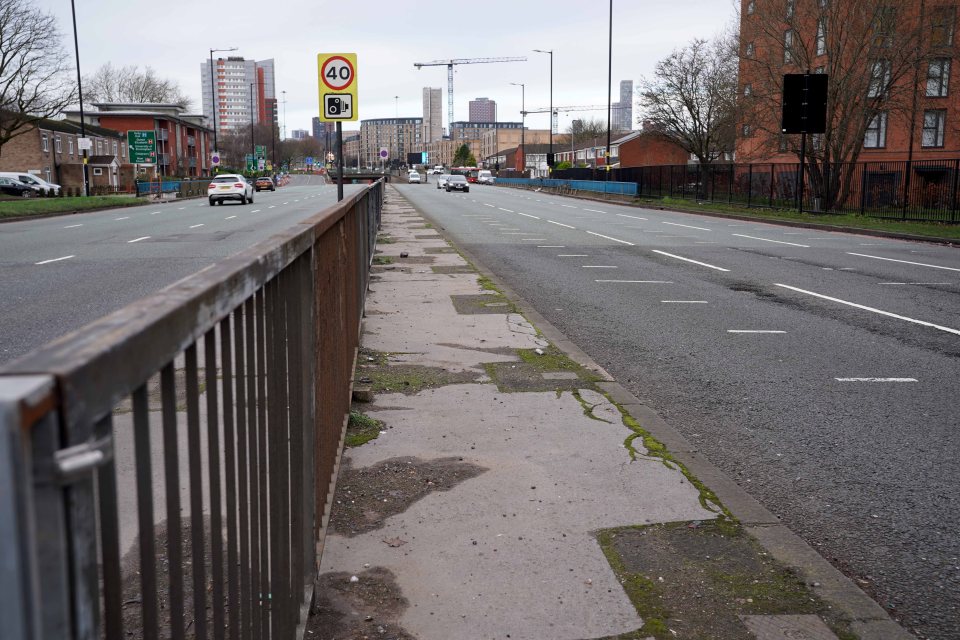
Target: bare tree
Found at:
872, 51
587, 131
130, 84
35, 79
692, 98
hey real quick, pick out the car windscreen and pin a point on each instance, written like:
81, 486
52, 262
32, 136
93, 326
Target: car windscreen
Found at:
226, 179
456, 179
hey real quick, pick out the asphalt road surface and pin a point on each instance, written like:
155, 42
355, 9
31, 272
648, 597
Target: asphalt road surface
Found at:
819, 370
58, 274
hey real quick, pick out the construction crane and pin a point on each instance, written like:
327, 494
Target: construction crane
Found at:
553, 120
449, 65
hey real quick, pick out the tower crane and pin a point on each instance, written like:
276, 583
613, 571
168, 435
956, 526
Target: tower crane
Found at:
553, 119
449, 65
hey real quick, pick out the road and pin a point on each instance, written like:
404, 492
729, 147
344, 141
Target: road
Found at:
58, 274
819, 370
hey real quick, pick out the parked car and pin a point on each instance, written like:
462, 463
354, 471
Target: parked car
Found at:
264, 182
229, 186
442, 180
11, 187
438, 169
457, 183
485, 177
413, 177
32, 181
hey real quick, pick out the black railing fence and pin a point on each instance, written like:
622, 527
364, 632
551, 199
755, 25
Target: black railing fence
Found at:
924, 190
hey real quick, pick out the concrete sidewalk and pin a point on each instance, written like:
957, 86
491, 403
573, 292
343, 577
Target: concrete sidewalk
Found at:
501, 472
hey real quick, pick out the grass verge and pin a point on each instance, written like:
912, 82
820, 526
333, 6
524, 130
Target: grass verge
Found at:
42, 206
361, 429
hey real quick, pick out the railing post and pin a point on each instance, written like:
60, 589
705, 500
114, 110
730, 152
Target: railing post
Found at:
956, 185
750, 184
770, 203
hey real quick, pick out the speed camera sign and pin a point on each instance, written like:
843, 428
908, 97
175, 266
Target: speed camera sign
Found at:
338, 86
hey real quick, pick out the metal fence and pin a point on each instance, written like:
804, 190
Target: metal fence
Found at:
167, 470
183, 187
927, 190
598, 186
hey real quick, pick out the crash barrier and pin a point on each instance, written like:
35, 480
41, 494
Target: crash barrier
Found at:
166, 471
182, 187
600, 186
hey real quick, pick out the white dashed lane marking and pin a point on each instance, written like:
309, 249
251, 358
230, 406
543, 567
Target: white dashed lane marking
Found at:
54, 260
72, 226
876, 379
702, 264
137, 239
600, 235
917, 264
194, 226
792, 244
560, 224
688, 226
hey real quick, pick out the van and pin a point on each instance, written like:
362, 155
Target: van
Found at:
485, 177
32, 181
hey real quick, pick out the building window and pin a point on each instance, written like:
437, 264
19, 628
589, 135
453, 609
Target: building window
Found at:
56, 144
751, 7
879, 78
114, 147
746, 131
884, 26
876, 134
748, 52
44, 142
99, 147
123, 150
942, 20
70, 146
748, 89
933, 126
791, 8
938, 77
788, 46
97, 171
820, 70
821, 37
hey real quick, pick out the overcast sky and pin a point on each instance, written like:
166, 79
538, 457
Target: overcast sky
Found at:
174, 37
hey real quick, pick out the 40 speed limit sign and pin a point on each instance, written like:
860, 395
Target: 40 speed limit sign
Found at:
338, 86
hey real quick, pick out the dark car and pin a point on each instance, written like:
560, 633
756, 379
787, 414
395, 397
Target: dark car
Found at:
265, 183
457, 183
11, 187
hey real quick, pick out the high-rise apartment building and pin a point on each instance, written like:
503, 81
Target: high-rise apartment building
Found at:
244, 92
398, 136
432, 114
483, 110
623, 110
299, 134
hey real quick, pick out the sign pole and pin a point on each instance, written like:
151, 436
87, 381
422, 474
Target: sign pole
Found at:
339, 161
803, 162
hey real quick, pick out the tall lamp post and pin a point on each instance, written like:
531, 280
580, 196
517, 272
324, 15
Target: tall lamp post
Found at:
523, 119
606, 164
83, 129
214, 114
550, 156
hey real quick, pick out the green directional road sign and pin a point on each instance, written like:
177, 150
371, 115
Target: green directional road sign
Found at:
251, 162
143, 147
261, 151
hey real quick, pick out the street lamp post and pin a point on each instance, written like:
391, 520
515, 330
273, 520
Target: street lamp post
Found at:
606, 163
213, 98
550, 156
83, 129
523, 119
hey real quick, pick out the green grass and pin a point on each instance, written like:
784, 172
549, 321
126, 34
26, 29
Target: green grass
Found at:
930, 229
41, 206
361, 429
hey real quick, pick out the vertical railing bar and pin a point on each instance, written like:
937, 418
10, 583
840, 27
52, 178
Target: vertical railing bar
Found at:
213, 463
171, 472
256, 597
311, 379
147, 534
288, 473
109, 537
295, 356
266, 610
230, 475
197, 556
273, 435
243, 372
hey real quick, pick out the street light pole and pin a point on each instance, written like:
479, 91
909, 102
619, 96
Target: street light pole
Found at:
83, 129
606, 164
550, 157
523, 119
214, 113
253, 150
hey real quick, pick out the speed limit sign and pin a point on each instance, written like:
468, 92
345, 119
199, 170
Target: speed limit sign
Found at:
338, 86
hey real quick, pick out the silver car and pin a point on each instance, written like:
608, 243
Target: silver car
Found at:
442, 180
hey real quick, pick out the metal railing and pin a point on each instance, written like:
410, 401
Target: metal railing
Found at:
922, 190
167, 470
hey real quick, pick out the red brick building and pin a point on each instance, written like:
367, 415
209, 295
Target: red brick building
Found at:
184, 144
49, 149
894, 77
648, 148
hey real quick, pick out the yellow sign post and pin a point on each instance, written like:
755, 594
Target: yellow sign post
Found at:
338, 86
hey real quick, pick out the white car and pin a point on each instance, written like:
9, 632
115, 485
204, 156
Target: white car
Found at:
32, 181
442, 180
229, 186
413, 177
438, 169
485, 177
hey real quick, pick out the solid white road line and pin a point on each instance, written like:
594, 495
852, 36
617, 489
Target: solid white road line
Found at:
230, 217
194, 226
872, 309
609, 238
534, 239
876, 379
137, 239
123, 218
507, 210
684, 301
54, 260
560, 224
623, 215
792, 244
573, 255
753, 331
595, 210
702, 264
677, 224
73, 226
528, 215
918, 264
549, 246
918, 283
638, 281
598, 266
